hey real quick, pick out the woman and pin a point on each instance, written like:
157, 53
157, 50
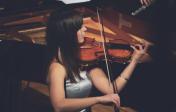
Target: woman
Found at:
69, 86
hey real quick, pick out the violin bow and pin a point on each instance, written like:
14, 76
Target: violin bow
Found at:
102, 34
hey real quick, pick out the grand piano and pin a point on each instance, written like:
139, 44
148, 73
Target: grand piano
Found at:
22, 48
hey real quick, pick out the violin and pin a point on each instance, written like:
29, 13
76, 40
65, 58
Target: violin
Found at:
92, 51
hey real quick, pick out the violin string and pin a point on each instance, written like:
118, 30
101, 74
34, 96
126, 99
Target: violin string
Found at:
103, 40
123, 40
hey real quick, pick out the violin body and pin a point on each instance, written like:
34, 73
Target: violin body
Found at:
92, 50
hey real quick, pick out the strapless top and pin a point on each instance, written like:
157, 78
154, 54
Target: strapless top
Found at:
80, 89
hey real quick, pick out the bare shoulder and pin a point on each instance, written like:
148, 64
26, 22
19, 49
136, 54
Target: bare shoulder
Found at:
96, 72
56, 67
56, 70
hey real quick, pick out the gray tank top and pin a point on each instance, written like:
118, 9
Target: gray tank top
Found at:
80, 89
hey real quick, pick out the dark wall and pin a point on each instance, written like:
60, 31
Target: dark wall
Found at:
22, 60
18, 61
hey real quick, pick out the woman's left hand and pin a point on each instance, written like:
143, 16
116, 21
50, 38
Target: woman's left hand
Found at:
146, 2
139, 51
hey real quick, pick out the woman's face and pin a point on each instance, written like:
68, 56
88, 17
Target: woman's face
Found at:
81, 34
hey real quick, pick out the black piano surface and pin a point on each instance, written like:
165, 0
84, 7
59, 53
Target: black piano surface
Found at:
22, 60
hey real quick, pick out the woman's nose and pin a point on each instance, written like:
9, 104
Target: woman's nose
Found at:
84, 28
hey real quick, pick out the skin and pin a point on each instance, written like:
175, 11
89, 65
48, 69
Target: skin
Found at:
81, 34
57, 75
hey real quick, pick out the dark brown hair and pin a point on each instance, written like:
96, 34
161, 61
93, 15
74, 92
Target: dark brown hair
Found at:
61, 33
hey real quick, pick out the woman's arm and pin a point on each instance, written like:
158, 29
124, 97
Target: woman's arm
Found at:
56, 78
101, 82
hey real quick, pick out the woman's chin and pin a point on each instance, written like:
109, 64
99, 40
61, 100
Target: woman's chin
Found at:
81, 41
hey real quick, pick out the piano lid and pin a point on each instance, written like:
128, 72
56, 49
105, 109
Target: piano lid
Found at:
32, 14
